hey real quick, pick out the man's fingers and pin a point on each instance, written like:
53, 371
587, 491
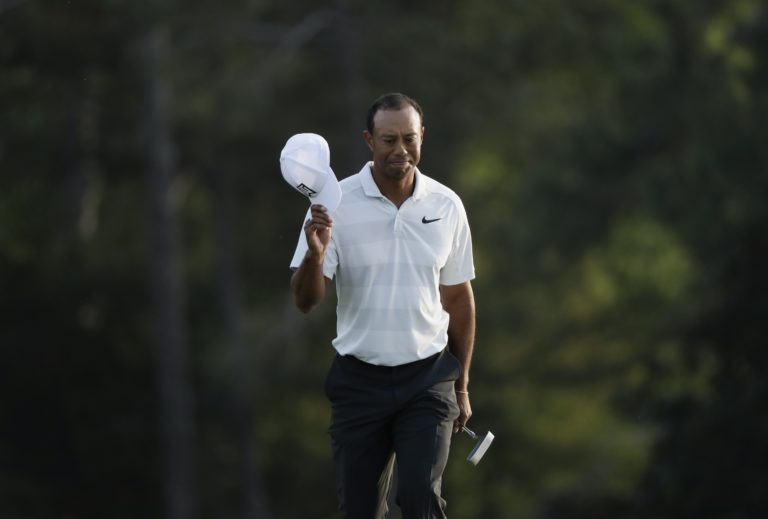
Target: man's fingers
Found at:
465, 411
319, 223
320, 214
460, 422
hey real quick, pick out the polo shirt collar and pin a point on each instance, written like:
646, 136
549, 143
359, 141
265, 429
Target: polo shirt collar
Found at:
371, 189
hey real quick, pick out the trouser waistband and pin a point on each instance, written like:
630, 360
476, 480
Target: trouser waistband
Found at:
351, 359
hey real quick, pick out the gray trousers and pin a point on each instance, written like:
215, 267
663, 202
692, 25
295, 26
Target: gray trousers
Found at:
379, 414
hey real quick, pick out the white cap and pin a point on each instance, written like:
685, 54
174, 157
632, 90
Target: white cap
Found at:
306, 165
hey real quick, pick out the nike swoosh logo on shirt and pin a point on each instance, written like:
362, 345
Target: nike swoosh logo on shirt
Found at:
424, 220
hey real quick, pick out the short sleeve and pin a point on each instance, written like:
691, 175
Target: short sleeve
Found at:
301, 246
460, 264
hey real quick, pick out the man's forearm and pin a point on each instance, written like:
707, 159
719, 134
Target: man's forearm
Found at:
308, 283
461, 329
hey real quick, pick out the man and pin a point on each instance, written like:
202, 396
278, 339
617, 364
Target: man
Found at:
399, 248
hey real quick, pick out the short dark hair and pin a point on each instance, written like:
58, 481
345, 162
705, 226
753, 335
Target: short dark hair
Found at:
392, 101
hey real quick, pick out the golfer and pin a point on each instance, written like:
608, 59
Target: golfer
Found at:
398, 246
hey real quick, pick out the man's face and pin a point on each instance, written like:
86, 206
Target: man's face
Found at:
395, 142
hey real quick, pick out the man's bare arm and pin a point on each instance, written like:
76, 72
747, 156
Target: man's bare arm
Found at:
308, 282
459, 302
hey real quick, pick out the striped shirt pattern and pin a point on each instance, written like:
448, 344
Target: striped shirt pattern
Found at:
388, 264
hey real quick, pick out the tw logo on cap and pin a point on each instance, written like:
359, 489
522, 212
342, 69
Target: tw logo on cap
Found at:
306, 190
305, 163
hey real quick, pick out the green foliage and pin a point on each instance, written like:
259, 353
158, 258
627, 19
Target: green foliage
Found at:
611, 158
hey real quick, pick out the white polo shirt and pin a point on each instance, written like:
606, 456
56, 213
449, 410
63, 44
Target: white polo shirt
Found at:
389, 264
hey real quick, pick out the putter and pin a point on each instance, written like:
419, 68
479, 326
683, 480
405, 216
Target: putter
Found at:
480, 447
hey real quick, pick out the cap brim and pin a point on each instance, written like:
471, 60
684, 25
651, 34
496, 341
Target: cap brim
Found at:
329, 196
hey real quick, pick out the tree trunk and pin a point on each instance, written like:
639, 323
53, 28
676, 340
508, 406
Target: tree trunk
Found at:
353, 151
166, 284
240, 365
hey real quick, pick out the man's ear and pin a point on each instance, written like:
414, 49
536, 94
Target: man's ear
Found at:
368, 139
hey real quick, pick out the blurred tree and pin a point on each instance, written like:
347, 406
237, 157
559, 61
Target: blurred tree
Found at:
167, 286
610, 155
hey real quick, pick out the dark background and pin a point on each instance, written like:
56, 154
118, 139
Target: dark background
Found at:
612, 158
